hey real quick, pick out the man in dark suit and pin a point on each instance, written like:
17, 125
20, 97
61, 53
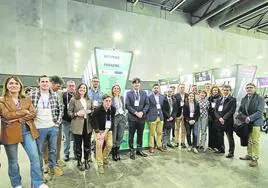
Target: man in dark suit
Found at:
252, 107
181, 98
224, 113
155, 118
137, 104
169, 113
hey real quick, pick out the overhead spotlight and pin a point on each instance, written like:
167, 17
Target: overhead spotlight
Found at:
260, 57
137, 52
117, 36
77, 44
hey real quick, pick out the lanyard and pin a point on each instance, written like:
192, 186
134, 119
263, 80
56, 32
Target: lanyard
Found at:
18, 104
110, 116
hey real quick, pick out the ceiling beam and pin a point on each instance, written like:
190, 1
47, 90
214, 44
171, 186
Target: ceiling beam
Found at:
216, 11
177, 6
235, 15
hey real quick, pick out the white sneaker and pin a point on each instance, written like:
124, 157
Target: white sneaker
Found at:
189, 149
195, 150
18, 186
43, 186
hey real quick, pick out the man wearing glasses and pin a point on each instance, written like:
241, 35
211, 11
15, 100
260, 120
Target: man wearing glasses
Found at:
94, 93
252, 107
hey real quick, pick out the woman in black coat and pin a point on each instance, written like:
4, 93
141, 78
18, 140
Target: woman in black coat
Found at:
212, 123
191, 113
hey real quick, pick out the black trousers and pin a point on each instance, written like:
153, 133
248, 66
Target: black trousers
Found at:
134, 126
212, 133
85, 138
228, 129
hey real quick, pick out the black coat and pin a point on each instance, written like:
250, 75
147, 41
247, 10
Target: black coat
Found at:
227, 113
186, 112
166, 109
178, 100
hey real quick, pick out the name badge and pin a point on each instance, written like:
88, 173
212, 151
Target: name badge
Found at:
158, 106
108, 124
213, 105
191, 114
182, 103
220, 108
137, 102
95, 103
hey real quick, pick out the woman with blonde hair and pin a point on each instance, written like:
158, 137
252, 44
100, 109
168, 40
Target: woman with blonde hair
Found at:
119, 122
18, 126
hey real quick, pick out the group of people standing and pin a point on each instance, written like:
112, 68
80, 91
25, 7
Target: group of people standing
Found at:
38, 119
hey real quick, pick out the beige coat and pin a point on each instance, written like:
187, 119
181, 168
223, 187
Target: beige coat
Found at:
77, 123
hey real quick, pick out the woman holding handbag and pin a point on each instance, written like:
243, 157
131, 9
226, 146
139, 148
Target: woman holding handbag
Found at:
18, 126
80, 110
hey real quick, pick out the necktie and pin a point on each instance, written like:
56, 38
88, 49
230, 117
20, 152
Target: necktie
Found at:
137, 95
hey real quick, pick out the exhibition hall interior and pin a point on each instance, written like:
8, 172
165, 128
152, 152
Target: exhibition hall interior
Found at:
141, 93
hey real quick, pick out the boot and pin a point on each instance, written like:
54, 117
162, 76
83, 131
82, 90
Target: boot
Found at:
80, 165
114, 154
117, 153
87, 165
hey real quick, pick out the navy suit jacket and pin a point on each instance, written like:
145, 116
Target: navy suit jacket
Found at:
153, 111
143, 105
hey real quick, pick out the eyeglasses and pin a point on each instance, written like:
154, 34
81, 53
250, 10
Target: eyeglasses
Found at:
250, 87
95, 81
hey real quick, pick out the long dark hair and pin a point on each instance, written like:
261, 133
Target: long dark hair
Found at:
77, 95
16, 78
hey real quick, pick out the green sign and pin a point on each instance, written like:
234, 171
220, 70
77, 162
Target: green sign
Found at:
112, 68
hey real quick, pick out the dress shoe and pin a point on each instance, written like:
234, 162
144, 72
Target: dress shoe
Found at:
87, 165
80, 165
132, 155
151, 150
176, 145
117, 153
253, 163
230, 155
161, 149
66, 158
183, 145
114, 157
170, 145
245, 158
219, 152
140, 153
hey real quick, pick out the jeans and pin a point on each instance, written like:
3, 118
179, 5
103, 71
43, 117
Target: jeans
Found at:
50, 135
66, 128
119, 128
29, 145
202, 131
189, 129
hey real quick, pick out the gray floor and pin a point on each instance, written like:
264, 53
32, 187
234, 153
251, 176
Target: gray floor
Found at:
175, 168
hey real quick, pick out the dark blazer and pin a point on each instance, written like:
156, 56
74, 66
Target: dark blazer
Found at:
153, 111
211, 99
255, 109
178, 99
122, 100
166, 108
143, 105
186, 112
99, 118
66, 98
227, 113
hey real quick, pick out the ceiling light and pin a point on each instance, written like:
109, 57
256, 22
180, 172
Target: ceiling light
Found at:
180, 69
196, 66
167, 72
157, 74
117, 36
260, 57
76, 54
137, 52
218, 60
77, 44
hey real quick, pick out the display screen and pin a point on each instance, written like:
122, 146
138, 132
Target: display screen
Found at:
202, 76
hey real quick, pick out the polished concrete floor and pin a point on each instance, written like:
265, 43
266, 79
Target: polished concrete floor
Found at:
175, 168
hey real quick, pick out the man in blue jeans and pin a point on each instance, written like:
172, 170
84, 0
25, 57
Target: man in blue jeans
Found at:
66, 119
47, 121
